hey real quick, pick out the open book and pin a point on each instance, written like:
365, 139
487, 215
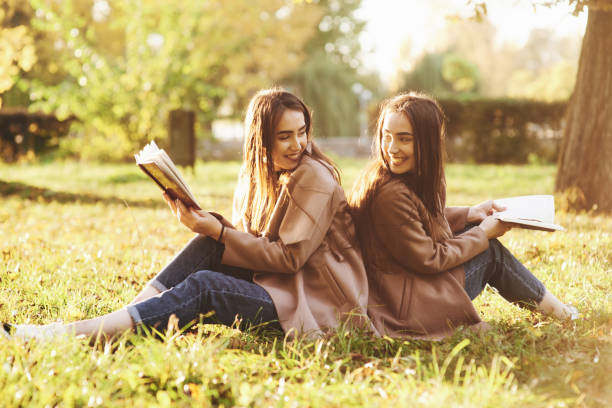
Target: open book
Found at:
158, 165
531, 212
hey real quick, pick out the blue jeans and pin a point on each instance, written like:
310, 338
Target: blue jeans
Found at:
498, 268
195, 283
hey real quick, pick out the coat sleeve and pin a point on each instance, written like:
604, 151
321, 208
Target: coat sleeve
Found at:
456, 217
308, 217
399, 227
224, 221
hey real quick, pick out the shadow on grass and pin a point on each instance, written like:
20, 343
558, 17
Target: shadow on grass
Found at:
26, 191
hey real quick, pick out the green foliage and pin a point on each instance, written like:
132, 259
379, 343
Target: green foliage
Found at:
427, 75
502, 130
553, 83
443, 74
327, 88
72, 248
329, 80
125, 69
338, 31
460, 73
17, 51
28, 134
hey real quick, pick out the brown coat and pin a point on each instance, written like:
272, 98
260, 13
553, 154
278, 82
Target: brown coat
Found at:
420, 292
306, 259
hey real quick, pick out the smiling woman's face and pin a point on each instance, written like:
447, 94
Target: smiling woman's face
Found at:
290, 140
397, 143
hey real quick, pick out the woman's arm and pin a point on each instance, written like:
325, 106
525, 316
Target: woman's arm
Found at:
308, 218
312, 203
399, 227
457, 217
479, 212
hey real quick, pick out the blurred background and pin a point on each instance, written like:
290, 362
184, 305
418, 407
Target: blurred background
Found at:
97, 79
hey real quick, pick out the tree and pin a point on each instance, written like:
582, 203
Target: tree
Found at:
584, 174
127, 63
543, 69
443, 74
329, 80
17, 52
585, 168
327, 88
548, 69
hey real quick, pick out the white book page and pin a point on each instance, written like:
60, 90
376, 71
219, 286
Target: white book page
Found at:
151, 153
147, 152
533, 208
173, 170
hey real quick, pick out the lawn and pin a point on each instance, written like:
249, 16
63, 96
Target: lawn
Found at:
80, 240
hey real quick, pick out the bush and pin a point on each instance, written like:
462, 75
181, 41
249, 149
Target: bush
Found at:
25, 135
503, 130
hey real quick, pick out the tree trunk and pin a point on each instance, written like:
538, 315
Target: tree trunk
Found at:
181, 132
585, 161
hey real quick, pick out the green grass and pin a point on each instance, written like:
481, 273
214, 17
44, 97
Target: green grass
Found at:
80, 240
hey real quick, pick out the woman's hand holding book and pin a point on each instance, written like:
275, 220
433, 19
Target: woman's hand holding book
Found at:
479, 212
493, 227
198, 221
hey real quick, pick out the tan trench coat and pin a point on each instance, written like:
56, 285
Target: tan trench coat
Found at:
421, 290
306, 260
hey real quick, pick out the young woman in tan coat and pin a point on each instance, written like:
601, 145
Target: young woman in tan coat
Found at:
289, 258
424, 266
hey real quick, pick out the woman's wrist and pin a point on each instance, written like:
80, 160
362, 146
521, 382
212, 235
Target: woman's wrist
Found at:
470, 215
220, 237
216, 231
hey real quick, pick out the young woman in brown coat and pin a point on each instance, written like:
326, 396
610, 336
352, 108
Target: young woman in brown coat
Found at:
424, 266
289, 258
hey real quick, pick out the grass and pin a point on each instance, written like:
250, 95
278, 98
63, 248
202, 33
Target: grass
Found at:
80, 240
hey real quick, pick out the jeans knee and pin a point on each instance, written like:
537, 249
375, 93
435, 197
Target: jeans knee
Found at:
496, 249
495, 244
200, 280
204, 242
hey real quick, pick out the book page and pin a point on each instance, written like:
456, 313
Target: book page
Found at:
173, 170
530, 212
158, 165
532, 208
167, 184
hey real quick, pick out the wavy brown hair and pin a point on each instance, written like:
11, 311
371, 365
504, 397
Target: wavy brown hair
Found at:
427, 178
259, 185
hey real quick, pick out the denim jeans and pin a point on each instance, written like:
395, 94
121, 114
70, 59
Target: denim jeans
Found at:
195, 283
498, 268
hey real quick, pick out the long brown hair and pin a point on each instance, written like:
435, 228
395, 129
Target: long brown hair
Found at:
259, 185
427, 178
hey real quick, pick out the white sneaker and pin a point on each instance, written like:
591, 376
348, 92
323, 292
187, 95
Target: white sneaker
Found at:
31, 331
572, 312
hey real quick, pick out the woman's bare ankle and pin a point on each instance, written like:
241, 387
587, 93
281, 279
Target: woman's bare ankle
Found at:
550, 305
148, 292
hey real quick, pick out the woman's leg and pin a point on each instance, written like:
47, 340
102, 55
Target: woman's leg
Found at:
109, 325
227, 297
199, 254
501, 270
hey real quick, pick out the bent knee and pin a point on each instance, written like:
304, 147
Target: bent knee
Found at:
498, 250
203, 279
495, 246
